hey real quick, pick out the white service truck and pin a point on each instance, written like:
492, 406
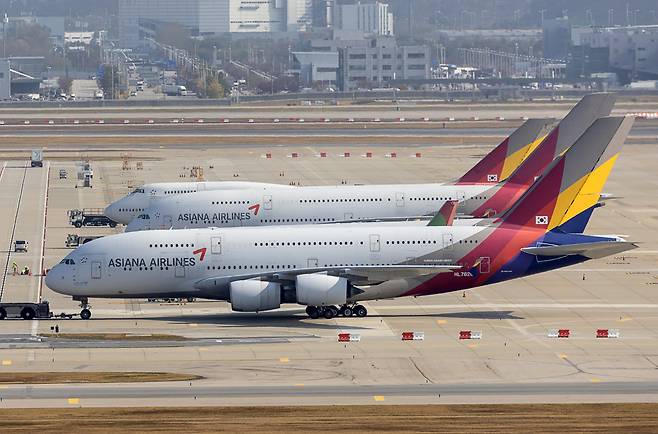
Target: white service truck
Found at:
174, 90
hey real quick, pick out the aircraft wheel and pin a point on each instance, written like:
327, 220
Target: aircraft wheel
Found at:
329, 313
85, 314
347, 311
313, 312
360, 311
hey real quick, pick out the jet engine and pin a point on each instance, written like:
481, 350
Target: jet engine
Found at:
321, 290
255, 295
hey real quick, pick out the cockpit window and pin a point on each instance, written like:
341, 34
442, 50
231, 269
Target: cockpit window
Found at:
138, 190
144, 217
67, 261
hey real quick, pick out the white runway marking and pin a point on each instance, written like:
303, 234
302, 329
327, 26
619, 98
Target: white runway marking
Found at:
528, 306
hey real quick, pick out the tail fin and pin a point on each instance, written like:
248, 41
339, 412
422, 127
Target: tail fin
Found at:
565, 134
573, 182
446, 214
574, 124
498, 164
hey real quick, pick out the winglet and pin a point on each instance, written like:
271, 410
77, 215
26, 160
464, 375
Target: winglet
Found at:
446, 214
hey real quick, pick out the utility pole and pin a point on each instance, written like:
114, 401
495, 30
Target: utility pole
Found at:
5, 21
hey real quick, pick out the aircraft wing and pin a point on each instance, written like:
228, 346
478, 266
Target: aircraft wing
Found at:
369, 274
423, 218
593, 250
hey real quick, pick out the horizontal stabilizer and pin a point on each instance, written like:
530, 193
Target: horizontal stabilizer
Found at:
594, 250
609, 196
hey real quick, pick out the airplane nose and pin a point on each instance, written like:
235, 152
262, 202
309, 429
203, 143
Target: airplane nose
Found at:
55, 279
112, 211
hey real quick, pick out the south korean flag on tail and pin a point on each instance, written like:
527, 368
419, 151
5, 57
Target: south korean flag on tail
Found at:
541, 220
492, 178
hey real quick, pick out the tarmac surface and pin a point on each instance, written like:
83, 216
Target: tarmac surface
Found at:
282, 357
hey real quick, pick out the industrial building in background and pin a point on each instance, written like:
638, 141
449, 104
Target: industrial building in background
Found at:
138, 18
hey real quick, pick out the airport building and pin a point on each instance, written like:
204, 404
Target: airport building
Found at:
372, 18
139, 18
381, 61
630, 51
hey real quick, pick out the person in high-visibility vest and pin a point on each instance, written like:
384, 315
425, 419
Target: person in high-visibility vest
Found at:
14, 267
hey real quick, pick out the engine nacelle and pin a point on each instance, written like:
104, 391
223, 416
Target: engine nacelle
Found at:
321, 290
254, 295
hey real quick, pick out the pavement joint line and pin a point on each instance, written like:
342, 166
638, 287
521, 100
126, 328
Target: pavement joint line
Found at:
13, 233
43, 234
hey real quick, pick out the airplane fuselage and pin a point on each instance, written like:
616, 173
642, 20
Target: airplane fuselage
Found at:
175, 263
302, 205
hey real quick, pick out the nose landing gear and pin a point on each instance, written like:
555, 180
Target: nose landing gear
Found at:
85, 313
329, 312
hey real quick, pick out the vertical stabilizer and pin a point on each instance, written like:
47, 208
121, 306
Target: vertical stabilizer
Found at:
498, 164
573, 182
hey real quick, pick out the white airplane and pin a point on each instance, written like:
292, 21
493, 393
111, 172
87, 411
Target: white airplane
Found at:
497, 165
325, 266
349, 203
130, 206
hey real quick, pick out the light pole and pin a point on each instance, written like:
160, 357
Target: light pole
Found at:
5, 21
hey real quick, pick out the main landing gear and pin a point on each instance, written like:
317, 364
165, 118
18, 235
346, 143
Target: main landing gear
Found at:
85, 313
328, 312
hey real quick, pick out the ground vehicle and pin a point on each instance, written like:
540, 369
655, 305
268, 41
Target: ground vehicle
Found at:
62, 174
21, 246
174, 90
25, 310
98, 94
89, 217
74, 240
37, 158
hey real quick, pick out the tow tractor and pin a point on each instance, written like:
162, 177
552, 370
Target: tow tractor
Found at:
30, 311
89, 217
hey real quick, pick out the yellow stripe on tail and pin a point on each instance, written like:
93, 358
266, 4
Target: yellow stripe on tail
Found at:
512, 162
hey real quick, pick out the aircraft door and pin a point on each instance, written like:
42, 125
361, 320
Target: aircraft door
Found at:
375, 243
447, 241
312, 263
267, 202
216, 245
167, 222
201, 186
461, 196
96, 269
348, 216
399, 199
179, 271
485, 265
